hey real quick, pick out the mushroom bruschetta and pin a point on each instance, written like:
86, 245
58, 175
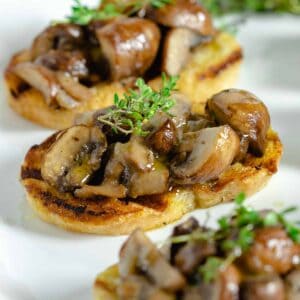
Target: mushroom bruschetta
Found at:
77, 66
148, 160
252, 255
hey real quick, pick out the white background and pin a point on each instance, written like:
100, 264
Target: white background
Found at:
39, 261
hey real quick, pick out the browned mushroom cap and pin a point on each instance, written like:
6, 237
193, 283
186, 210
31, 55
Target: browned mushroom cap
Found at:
225, 287
245, 113
139, 253
61, 36
263, 288
130, 46
74, 157
183, 13
210, 152
72, 62
272, 252
164, 138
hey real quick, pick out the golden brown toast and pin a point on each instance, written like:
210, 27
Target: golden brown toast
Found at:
212, 67
111, 216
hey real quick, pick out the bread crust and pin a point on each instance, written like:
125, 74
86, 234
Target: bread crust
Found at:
212, 67
109, 216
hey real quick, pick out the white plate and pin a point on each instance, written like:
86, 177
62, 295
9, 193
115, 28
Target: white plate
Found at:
40, 261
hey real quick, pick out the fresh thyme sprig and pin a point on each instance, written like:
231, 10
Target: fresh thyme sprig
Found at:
82, 14
242, 223
134, 109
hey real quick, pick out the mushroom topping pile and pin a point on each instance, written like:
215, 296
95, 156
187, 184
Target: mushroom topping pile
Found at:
145, 144
119, 41
200, 263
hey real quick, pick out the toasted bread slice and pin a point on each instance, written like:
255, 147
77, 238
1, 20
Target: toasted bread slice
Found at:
110, 216
212, 67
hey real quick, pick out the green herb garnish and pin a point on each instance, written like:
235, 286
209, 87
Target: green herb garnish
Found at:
221, 7
236, 233
137, 107
211, 267
82, 14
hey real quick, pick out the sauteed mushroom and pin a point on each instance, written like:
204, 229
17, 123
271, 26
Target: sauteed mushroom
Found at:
59, 87
163, 139
263, 288
183, 13
60, 36
152, 182
130, 46
245, 113
273, 251
225, 287
292, 283
39, 77
74, 156
140, 252
177, 49
208, 153
72, 62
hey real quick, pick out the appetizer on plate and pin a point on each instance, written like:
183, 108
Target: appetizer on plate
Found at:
148, 160
77, 66
252, 255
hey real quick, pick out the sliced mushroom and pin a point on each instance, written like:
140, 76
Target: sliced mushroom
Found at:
292, 284
177, 49
130, 46
38, 77
272, 251
139, 253
135, 287
61, 36
46, 82
197, 122
245, 113
64, 99
210, 151
149, 183
263, 288
72, 62
183, 13
73, 88
72, 159
137, 154
136, 157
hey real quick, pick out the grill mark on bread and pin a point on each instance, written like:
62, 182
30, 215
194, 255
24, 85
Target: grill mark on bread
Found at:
30, 173
214, 71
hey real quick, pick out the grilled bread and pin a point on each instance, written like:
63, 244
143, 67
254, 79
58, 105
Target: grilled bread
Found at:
110, 216
212, 66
